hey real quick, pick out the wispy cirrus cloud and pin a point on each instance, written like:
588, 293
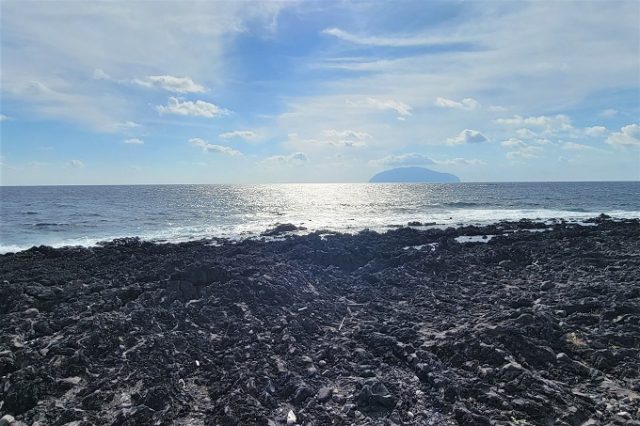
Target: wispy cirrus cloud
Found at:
58, 100
169, 46
133, 141
369, 40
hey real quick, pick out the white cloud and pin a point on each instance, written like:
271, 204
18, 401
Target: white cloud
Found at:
5, 165
563, 159
595, 131
402, 109
99, 74
387, 41
524, 60
467, 136
170, 83
410, 159
345, 138
343, 143
525, 133
4, 117
460, 162
197, 108
125, 125
524, 152
62, 55
519, 149
417, 159
572, 146
346, 134
37, 164
608, 113
627, 136
550, 124
57, 99
220, 149
76, 164
133, 141
467, 104
513, 143
242, 134
295, 159
331, 137
498, 108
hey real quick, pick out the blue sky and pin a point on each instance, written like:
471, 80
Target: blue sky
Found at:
327, 91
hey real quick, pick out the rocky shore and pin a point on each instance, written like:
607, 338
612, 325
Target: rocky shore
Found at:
407, 327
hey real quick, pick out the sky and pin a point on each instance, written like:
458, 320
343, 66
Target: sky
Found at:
143, 92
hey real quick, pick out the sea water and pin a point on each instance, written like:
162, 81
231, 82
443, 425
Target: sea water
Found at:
85, 215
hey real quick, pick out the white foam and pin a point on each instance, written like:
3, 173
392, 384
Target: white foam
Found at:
12, 248
332, 220
432, 247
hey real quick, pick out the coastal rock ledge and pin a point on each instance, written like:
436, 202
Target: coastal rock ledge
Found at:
407, 327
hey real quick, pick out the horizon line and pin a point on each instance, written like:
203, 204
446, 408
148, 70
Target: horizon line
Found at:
320, 183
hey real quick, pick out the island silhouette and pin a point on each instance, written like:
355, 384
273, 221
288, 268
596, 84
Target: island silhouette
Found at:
413, 175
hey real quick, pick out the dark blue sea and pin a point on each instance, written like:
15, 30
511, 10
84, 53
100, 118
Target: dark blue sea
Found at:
85, 215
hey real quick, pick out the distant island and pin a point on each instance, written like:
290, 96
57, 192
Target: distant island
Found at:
413, 175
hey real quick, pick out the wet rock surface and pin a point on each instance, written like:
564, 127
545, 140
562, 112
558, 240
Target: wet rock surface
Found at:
407, 327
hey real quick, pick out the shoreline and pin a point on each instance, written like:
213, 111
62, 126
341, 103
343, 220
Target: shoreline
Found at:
407, 327
301, 230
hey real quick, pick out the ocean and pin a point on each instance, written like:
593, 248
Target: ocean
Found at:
85, 215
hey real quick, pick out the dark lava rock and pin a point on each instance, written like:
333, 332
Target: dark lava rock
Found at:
374, 395
547, 285
529, 328
282, 228
302, 392
324, 394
